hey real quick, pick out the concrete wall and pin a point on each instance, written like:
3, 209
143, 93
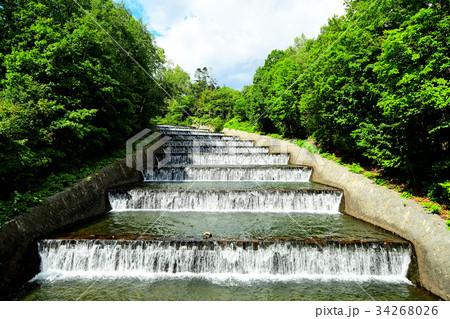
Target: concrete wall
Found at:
19, 260
381, 207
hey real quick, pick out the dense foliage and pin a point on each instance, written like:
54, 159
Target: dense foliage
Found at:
198, 102
372, 88
68, 93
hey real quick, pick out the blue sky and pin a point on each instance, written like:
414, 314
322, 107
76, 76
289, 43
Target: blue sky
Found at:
230, 37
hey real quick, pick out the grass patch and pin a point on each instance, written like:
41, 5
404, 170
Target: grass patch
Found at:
19, 203
235, 124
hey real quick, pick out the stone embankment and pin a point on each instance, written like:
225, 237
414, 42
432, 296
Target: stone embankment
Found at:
19, 260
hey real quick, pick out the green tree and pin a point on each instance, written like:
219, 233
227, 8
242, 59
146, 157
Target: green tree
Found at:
413, 70
68, 92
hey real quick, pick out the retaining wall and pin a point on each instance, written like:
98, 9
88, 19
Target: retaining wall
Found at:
19, 259
381, 207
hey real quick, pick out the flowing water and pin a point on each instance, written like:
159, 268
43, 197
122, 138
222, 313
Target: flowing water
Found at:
173, 142
112, 258
227, 200
203, 137
252, 174
224, 159
214, 149
275, 235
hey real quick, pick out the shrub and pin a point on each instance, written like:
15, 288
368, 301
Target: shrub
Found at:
406, 195
440, 192
236, 124
356, 168
217, 123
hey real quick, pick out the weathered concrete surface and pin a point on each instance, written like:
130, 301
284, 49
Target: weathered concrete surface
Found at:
19, 260
381, 207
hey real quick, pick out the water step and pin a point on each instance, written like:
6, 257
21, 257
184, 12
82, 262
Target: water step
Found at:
137, 258
240, 242
189, 132
184, 128
224, 159
154, 231
251, 173
174, 142
227, 200
233, 225
204, 136
215, 149
233, 185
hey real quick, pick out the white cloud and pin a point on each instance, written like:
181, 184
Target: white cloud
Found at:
230, 36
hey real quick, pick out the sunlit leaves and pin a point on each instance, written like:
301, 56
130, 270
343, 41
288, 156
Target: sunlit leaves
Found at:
67, 89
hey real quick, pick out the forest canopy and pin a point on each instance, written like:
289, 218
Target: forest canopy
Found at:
67, 91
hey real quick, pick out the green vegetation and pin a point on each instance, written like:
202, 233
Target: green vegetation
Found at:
69, 96
50, 185
201, 102
435, 209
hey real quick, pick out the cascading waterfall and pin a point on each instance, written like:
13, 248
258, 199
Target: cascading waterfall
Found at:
179, 128
216, 149
104, 258
326, 201
209, 143
185, 132
205, 136
224, 159
297, 174
199, 155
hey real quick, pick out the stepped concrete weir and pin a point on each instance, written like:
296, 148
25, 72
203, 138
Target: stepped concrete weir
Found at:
273, 234
105, 258
216, 149
323, 201
224, 159
228, 173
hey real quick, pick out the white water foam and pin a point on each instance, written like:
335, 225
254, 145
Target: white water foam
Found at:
225, 159
216, 149
180, 128
188, 132
281, 174
205, 137
281, 261
212, 142
323, 201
